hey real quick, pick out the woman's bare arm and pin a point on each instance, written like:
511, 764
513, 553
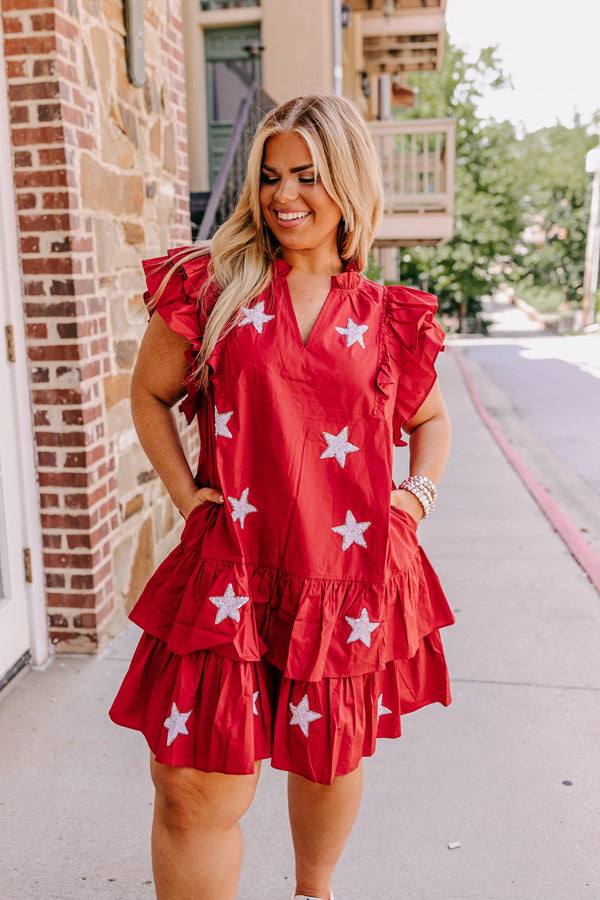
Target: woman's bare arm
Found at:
429, 444
156, 385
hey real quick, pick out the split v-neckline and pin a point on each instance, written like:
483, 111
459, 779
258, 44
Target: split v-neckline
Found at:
348, 280
294, 318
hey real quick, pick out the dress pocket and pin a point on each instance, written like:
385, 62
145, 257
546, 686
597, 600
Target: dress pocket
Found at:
197, 514
405, 516
210, 533
403, 541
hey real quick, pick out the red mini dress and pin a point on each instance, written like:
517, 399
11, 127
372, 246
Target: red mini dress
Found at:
299, 619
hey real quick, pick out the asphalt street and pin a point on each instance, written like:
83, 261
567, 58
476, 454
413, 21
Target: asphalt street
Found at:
553, 383
544, 393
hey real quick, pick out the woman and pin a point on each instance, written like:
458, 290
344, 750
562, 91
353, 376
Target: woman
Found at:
298, 618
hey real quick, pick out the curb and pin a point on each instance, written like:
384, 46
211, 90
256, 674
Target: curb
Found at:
552, 323
567, 531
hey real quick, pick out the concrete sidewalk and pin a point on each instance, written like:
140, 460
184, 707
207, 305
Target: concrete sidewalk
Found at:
510, 770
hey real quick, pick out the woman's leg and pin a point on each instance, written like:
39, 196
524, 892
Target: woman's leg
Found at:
196, 838
321, 817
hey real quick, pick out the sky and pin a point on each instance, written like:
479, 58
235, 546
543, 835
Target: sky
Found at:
551, 48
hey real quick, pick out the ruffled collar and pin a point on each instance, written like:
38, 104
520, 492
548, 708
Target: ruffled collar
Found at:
348, 280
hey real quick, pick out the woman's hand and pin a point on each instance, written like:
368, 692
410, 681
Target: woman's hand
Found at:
408, 502
198, 497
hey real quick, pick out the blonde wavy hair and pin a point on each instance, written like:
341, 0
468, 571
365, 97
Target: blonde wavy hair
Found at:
243, 248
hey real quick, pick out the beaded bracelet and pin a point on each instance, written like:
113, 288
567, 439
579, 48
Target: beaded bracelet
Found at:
423, 489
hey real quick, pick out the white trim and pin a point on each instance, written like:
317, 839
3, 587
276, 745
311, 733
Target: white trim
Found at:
10, 272
195, 90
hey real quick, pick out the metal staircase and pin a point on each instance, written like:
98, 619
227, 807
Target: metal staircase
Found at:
209, 210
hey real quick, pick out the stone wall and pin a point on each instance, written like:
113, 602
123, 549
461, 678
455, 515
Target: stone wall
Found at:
101, 175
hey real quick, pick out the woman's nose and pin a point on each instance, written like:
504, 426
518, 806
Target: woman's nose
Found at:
286, 189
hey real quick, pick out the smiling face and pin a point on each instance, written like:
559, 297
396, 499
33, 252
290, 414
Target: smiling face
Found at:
295, 206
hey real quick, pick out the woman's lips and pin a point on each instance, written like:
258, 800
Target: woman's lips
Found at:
291, 219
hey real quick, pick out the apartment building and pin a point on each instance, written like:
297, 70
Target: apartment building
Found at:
364, 48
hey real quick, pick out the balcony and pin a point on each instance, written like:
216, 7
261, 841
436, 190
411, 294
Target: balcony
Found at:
405, 37
417, 160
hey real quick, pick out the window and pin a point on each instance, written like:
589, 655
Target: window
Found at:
231, 82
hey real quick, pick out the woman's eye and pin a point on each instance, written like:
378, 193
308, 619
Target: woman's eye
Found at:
273, 179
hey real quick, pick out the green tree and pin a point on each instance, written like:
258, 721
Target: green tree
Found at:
487, 212
555, 191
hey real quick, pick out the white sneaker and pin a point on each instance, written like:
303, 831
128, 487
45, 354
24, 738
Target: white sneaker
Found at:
294, 896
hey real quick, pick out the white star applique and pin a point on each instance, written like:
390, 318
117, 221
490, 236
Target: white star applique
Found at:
241, 508
175, 724
361, 628
255, 315
303, 716
381, 709
338, 446
221, 420
254, 701
228, 606
354, 333
352, 531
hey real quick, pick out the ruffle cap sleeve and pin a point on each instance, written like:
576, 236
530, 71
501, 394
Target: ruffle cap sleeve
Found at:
180, 307
178, 304
411, 340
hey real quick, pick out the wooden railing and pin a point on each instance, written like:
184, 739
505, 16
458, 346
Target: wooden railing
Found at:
232, 173
417, 159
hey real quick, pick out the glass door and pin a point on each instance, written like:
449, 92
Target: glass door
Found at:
230, 71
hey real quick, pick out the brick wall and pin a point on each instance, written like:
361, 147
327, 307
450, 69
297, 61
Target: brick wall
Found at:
101, 175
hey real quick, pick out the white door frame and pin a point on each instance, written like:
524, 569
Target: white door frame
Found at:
10, 274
